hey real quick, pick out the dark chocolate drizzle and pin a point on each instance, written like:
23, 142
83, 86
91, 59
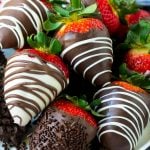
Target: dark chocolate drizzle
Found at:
27, 71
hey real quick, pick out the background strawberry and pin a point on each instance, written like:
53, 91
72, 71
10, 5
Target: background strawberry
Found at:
135, 17
109, 15
137, 58
75, 127
113, 12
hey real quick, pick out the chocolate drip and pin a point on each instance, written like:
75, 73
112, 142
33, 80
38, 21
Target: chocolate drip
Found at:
59, 131
89, 54
19, 19
126, 114
30, 85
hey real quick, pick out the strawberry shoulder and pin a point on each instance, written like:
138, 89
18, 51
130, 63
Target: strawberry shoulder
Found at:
52, 58
73, 110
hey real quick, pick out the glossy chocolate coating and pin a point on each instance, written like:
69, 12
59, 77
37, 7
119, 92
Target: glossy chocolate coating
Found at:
126, 114
19, 19
58, 130
89, 54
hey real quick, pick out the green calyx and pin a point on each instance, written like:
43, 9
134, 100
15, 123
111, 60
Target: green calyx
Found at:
124, 7
134, 78
44, 43
83, 103
139, 35
73, 11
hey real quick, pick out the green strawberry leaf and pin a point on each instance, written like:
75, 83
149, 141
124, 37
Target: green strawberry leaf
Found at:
124, 7
61, 11
75, 4
95, 102
139, 35
55, 46
49, 26
31, 42
89, 10
134, 78
44, 43
83, 103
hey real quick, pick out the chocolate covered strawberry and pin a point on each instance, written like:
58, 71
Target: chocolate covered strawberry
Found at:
19, 19
33, 78
64, 125
87, 47
126, 111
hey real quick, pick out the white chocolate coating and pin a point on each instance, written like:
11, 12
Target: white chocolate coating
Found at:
30, 85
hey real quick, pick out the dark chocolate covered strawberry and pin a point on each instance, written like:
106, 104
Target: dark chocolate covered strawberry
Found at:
33, 78
19, 19
87, 47
64, 125
126, 110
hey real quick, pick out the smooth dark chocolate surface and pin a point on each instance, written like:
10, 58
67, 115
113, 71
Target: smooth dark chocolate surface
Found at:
93, 59
126, 114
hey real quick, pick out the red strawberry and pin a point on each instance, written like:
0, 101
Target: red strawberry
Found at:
52, 58
109, 15
138, 58
87, 47
66, 125
126, 114
134, 18
33, 78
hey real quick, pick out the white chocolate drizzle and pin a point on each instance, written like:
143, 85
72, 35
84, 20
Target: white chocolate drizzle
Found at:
17, 27
132, 104
103, 50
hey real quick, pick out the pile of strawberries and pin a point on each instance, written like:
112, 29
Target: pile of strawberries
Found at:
121, 31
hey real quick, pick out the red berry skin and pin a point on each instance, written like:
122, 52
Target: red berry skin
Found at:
139, 63
73, 110
52, 58
80, 26
109, 15
134, 18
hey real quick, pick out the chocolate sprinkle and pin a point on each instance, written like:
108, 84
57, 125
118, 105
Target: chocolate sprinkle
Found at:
57, 131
